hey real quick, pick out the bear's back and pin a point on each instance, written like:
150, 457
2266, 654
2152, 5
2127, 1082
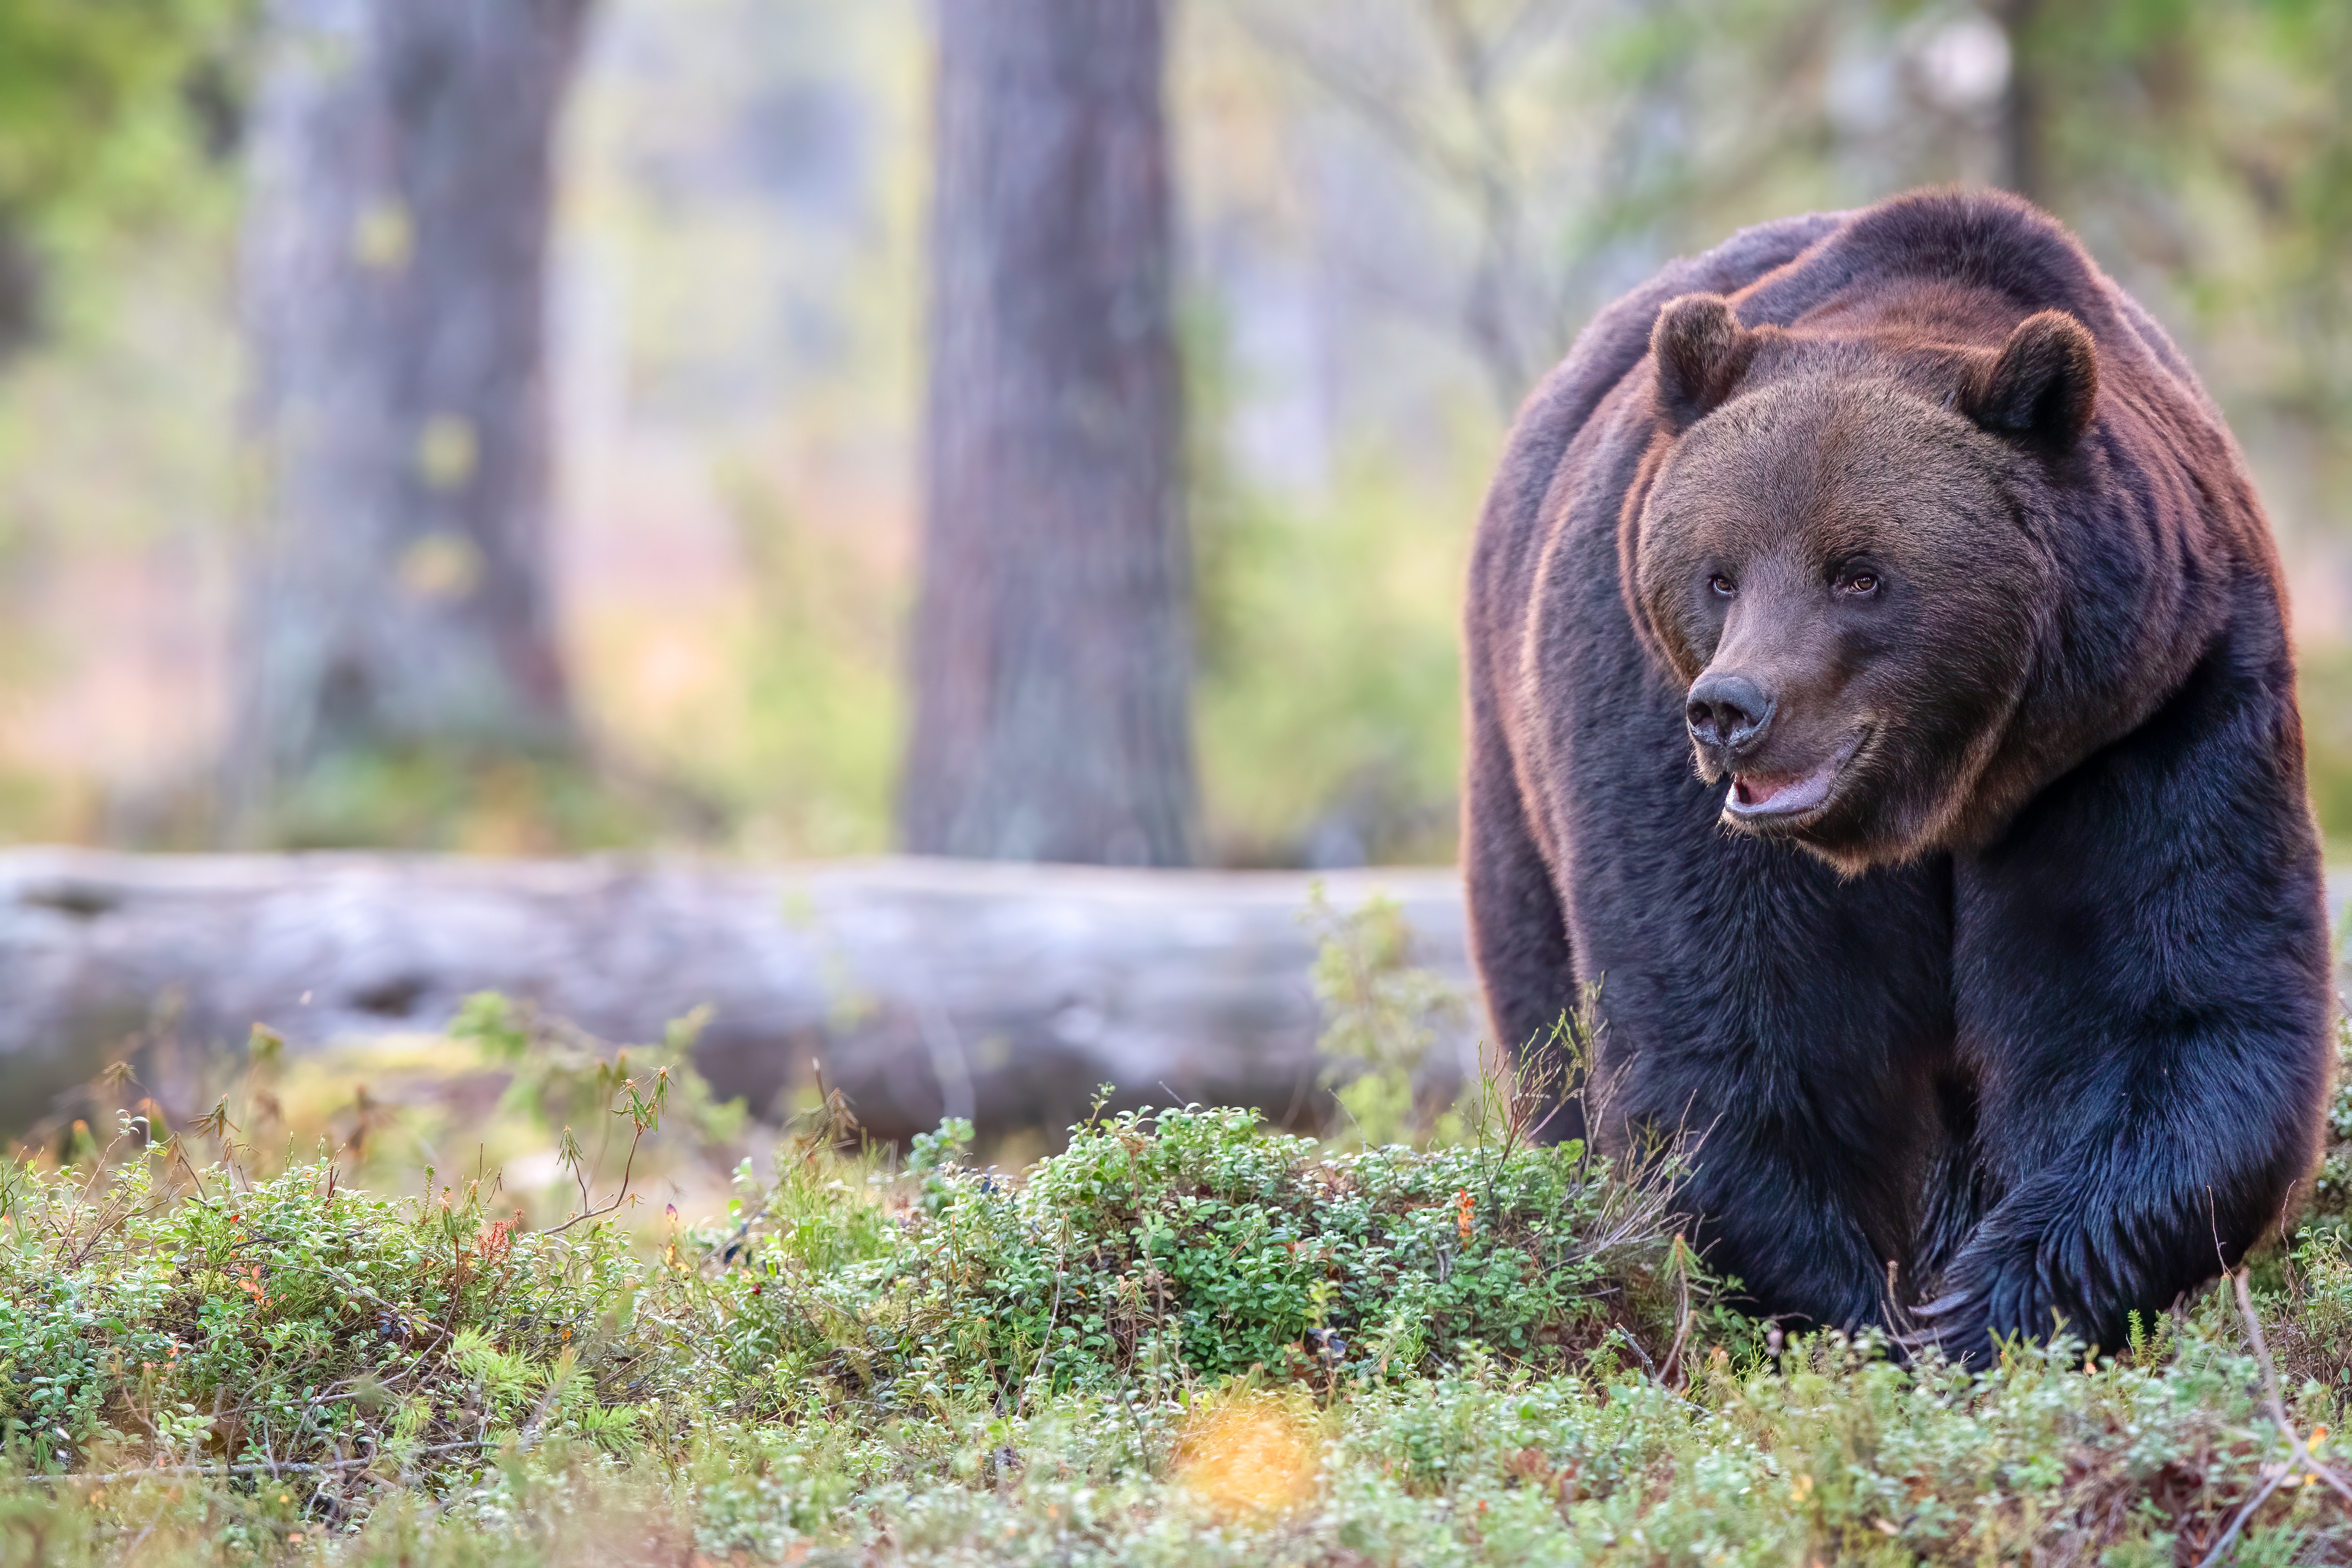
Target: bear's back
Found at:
1990, 244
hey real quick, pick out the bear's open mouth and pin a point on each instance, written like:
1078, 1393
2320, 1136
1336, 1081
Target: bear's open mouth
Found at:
1783, 798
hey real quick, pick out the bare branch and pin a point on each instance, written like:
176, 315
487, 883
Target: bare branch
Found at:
1380, 105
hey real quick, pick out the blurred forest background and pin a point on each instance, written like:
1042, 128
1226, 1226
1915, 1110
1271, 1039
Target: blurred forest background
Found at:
1389, 216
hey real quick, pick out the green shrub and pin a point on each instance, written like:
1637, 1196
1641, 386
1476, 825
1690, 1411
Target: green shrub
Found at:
294, 1322
1184, 1247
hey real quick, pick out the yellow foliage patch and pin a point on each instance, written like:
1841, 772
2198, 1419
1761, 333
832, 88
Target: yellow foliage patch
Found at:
1249, 1456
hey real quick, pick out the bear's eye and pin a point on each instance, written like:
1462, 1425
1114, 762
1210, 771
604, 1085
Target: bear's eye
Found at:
1722, 585
1860, 583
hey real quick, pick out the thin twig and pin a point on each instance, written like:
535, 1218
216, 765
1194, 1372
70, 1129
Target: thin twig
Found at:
617, 1197
1674, 1374
548, 1397
2303, 1459
2261, 1351
1061, 1272
2244, 1514
1625, 1337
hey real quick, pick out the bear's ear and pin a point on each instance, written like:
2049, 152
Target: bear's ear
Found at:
1702, 352
2044, 385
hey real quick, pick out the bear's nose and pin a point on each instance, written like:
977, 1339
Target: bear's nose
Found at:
1728, 712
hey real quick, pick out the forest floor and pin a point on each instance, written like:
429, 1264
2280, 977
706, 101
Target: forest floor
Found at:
1184, 1338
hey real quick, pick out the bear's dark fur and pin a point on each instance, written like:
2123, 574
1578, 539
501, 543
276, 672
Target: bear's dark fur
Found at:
1982, 956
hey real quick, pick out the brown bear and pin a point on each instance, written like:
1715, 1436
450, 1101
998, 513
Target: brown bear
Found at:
1879, 684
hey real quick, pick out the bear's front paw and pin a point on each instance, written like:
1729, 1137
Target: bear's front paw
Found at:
1969, 1321
2015, 1279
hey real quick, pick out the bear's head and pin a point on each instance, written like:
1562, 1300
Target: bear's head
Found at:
1839, 555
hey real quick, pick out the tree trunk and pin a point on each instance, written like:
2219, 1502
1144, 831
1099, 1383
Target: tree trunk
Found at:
1005, 994
395, 593
20, 286
1052, 643
2024, 161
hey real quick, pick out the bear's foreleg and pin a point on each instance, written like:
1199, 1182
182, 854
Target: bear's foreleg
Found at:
2141, 976
1794, 1230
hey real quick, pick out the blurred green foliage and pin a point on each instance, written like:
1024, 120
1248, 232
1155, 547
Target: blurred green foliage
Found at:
108, 106
816, 759
1381, 1014
440, 798
2324, 686
1329, 672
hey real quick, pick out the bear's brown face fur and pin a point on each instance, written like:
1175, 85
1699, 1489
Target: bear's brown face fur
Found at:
1835, 556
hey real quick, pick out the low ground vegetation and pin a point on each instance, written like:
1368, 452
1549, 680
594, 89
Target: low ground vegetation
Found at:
1183, 1339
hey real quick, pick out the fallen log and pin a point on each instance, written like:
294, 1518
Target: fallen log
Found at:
926, 987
